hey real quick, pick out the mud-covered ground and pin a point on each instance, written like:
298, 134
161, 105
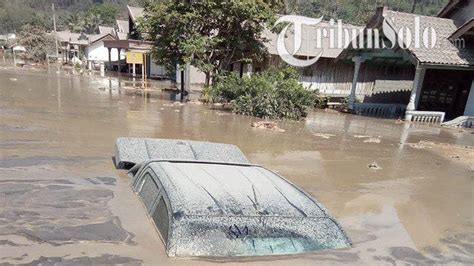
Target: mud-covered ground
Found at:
404, 193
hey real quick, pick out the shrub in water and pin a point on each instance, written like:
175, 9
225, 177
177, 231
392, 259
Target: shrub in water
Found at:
274, 94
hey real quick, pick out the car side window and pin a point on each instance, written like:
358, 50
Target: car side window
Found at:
149, 191
161, 219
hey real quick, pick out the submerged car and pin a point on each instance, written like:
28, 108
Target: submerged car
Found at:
207, 199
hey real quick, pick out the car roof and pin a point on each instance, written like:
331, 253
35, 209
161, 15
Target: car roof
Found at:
216, 189
131, 151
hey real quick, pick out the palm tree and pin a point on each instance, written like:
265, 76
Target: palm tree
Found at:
90, 23
73, 22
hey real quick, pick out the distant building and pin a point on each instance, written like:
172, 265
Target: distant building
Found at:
97, 52
88, 46
430, 82
122, 29
130, 39
330, 77
106, 30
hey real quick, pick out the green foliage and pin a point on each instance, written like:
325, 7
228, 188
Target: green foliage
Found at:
107, 12
37, 41
209, 34
16, 13
357, 12
274, 94
319, 100
90, 20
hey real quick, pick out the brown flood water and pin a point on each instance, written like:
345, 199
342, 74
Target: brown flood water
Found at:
61, 200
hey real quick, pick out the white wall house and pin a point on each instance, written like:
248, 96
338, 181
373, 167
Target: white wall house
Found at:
97, 52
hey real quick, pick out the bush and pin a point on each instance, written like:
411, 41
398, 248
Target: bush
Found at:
319, 100
272, 94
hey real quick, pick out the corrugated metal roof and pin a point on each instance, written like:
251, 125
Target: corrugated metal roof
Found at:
445, 52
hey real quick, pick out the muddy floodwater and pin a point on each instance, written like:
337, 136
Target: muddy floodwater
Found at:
404, 193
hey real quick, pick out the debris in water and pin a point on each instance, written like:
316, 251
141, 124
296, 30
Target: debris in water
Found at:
177, 110
368, 139
324, 136
420, 145
361, 136
374, 166
267, 125
13, 79
372, 140
102, 89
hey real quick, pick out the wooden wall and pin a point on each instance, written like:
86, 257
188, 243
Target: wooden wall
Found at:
333, 78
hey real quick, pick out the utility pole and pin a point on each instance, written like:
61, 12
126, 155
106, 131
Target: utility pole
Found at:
55, 32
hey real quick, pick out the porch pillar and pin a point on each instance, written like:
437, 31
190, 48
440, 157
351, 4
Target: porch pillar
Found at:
358, 60
415, 91
110, 58
118, 59
133, 70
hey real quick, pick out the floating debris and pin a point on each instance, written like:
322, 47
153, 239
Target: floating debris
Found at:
421, 145
267, 125
13, 79
324, 136
372, 140
222, 113
374, 166
361, 136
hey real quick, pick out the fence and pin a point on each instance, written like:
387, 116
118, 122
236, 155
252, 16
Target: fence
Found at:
380, 110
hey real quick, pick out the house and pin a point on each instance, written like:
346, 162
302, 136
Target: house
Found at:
96, 52
131, 41
134, 13
122, 29
330, 77
432, 80
88, 46
72, 44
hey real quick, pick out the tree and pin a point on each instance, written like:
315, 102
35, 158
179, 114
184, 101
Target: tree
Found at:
37, 41
209, 34
107, 13
90, 23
